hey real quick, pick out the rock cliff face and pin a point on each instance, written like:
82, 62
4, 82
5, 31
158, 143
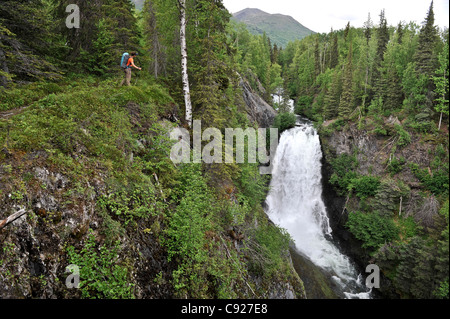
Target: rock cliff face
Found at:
61, 211
374, 153
33, 259
257, 109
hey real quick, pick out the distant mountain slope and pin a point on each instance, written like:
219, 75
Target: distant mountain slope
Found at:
280, 28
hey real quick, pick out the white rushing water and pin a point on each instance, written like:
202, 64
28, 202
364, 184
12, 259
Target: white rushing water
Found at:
295, 204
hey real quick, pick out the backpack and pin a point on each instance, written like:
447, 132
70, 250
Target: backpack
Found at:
124, 61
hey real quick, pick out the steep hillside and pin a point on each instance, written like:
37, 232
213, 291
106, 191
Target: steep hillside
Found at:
281, 29
390, 212
87, 165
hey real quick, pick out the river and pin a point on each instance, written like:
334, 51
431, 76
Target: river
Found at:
295, 203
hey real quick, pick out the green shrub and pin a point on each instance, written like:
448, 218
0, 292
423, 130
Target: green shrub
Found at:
437, 182
364, 186
404, 138
344, 167
253, 184
396, 165
284, 121
408, 227
372, 229
136, 201
101, 275
272, 243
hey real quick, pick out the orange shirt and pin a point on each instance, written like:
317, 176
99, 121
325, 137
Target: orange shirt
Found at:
130, 62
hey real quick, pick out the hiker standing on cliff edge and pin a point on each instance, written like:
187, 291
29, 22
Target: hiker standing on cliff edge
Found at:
126, 64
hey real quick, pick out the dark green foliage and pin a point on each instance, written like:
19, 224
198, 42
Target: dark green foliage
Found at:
346, 105
108, 29
334, 55
393, 93
364, 186
396, 165
380, 82
425, 56
333, 96
372, 228
272, 243
284, 121
101, 273
344, 167
303, 106
437, 183
416, 276
26, 42
388, 196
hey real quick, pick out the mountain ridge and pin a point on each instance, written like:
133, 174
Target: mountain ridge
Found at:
280, 28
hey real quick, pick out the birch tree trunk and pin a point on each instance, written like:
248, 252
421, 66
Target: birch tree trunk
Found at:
185, 77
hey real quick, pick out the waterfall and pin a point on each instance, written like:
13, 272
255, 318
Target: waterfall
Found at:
295, 203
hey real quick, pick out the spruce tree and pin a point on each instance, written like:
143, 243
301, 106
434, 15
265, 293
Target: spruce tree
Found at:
152, 38
346, 102
211, 66
368, 25
425, 57
379, 77
334, 55
275, 53
400, 33
393, 94
441, 83
78, 40
333, 96
108, 28
426, 63
26, 42
317, 63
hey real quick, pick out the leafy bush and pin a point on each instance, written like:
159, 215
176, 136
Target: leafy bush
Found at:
396, 165
364, 186
343, 172
284, 121
303, 105
268, 246
253, 185
186, 230
372, 229
403, 136
137, 201
101, 275
437, 182
408, 227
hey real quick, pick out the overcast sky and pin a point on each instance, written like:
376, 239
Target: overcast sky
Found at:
322, 15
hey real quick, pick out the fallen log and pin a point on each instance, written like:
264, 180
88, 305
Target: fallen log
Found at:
12, 218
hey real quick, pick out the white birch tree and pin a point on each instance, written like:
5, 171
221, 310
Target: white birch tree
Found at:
184, 60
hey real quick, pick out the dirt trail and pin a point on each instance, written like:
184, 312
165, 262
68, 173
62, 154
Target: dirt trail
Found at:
7, 114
